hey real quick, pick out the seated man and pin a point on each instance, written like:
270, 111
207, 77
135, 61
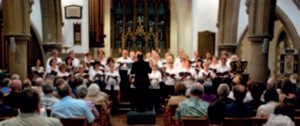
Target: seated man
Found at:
194, 106
48, 100
12, 99
238, 108
216, 112
223, 91
256, 90
30, 106
81, 93
69, 107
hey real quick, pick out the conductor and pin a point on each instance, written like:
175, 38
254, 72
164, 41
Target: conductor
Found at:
141, 69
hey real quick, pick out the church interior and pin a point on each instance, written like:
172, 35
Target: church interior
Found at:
250, 45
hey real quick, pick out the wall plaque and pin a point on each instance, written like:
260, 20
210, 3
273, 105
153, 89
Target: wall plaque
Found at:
73, 12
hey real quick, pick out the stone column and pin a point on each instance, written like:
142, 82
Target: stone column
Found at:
51, 24
260, 28
227, 24
16, 20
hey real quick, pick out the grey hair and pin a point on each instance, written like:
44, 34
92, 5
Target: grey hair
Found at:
271, 83
81, 91
39, 81
93, 89
197, 90
15, 85
15, 77
223, 90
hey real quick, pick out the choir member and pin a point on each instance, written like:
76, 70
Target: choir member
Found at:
131, 54
148, 57
164, 61
69, 63
186, 73
88, 59
155, 79
214, 64
207, 55
178, 59
62, 73
112, 80
157, 61
101, 57
124, 64
37, 70
170, 76
195, 57
75, 60
54, 55
52, 71
109, 61
198, 65
232, 59
83, 74
205, 74
223, 70
97, 75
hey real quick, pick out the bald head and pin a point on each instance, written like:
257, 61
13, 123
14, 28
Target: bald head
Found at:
16, 86
235, 81
239, 92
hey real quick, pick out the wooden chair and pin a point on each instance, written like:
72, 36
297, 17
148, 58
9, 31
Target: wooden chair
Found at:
170, 115
297, 113
259, 121
238, 122
188, 121
104, 116
4, 118
74, 121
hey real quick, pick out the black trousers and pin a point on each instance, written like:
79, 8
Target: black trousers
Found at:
155, 98
124, 85
113, 96
142, 99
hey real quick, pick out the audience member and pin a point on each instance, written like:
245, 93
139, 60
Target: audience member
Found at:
216, 112
237, 81
5, 110
223, 91
30, 107
4, 86
271, 99
95, 95
12, 99
15, 77
48, 100
285, 109
39, 83
69, 107
279, 120
194, 106
256, 90
288, 95
81, 93
180, 89
238, 108
26, 84
272, 83
208, 96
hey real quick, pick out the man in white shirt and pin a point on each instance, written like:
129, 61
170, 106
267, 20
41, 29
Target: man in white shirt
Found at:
122, 63
177, 62
54, 54
75, 60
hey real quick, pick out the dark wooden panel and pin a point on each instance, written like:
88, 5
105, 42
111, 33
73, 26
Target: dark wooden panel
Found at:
96, 34
206, 42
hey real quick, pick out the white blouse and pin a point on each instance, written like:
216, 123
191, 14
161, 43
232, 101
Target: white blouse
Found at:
223, 69
188, 80
123, 60
40, 70
155, 78
201, 72
93, 74
169, 80
111, 81
50, 69
60, 74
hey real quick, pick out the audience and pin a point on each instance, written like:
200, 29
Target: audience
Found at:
5, 110
208, 96
194, 106
237, 81
216, 112
15, 77
287, 96
180, 89
12, 99
39, 83
271, 99
81, 93
4, 86
279, 120
48, 100
256, 90
69, 107
26, 84
223, 91
285, 109
238, 108
96, 96
30, 107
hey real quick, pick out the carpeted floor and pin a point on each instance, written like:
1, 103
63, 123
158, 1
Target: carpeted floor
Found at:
120, 120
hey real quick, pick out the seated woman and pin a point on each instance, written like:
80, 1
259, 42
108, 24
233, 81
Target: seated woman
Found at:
208, 96
112, 80
288, 95
97, 75
96, 96
62, 73
283, 116
271, 99
180, 89
155, 79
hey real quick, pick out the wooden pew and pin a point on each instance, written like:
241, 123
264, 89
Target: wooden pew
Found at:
237, 122
297, 113
103, 120
74, 121
170, 115
188, 121
4, 118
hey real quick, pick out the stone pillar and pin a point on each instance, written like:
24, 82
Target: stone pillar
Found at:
261, 25
51, 24
16, 20
227, 24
